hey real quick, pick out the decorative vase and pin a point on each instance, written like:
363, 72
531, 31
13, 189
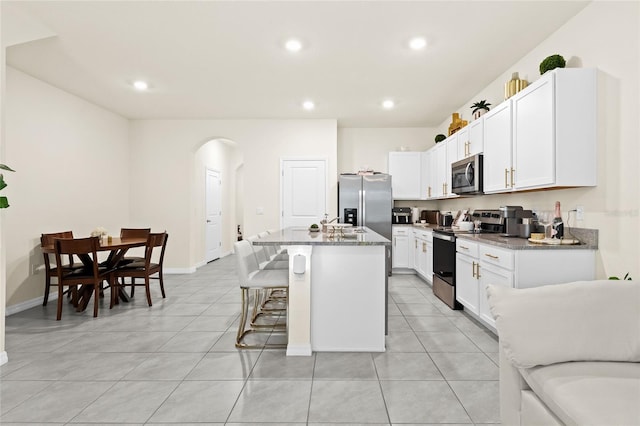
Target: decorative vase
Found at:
456, 123
514, 85
479, 113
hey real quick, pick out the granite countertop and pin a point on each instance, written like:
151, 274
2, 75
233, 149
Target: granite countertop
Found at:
588, 241
302, 236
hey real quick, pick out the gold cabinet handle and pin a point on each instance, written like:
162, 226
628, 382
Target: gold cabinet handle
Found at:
429, 191
424, 247
416, 243
513, 171
477, 270
463, 247
492, 256
506, 178
473, 269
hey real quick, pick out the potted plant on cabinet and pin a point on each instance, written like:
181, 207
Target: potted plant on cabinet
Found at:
4, 203
480, 108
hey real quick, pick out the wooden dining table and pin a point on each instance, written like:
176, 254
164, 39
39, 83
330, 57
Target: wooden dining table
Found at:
117, 248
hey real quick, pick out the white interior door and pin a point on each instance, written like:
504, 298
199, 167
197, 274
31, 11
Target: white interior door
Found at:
304, 192
213, 228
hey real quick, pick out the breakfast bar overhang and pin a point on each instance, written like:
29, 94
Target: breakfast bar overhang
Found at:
337, 290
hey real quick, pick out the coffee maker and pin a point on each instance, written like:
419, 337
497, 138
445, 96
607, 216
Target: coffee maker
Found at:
512, 217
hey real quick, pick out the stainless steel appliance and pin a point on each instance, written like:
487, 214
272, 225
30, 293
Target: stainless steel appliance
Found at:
401, 215
444, 253
369, 199
466, 176
513, 218
430, 216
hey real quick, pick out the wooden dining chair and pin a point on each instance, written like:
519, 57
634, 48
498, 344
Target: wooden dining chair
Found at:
133, 233
50, 268
90, 275
146, 268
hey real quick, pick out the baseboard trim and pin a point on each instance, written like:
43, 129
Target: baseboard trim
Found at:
28, 304
3, 357
53, 296
299, 350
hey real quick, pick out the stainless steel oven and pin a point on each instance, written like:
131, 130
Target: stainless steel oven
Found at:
466, 176
444, 267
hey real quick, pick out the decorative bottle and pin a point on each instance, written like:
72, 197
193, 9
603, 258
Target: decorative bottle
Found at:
558, 226
239, 234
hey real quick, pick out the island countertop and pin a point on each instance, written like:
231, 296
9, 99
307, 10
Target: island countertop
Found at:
302, 236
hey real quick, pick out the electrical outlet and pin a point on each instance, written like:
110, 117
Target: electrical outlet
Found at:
580, 213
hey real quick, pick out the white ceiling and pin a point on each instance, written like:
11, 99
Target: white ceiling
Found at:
219, 59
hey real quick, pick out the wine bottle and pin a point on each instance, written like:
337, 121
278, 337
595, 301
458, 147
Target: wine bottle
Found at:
239, 234
558, 225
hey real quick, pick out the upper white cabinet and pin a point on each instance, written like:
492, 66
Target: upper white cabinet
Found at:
544, 136
405, 171
428, 175
554, 130
497, 149
443, 154
470, 139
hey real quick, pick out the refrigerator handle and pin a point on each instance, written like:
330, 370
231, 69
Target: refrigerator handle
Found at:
359, 208
364, 206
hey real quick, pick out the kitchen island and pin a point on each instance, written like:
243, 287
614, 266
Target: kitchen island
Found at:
337, 290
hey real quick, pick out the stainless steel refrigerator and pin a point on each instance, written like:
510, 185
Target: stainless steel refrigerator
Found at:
367, 201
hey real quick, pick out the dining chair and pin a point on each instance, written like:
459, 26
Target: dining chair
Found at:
90, 277
253, 283
133, 233
147, 267
50, 268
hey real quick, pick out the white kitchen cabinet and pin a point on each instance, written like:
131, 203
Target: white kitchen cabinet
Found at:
446, 152
467, 286
554, 131
423, 254
428, 175
467, 283
470, 139
494, 275
405, 171
400, 247
497, 149
545, 135
479, 265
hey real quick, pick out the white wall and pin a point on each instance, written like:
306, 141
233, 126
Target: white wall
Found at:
224, 158
604, 35
163, 194
361, 148
72, 173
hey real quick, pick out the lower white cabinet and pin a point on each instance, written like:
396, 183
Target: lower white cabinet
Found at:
423, 253
479, 265
400, 247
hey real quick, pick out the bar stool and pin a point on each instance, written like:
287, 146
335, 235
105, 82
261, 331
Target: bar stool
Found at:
262, 257
253, 283
271, 251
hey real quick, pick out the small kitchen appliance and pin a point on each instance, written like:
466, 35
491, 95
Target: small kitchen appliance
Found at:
401, 215
513, 217
430, 216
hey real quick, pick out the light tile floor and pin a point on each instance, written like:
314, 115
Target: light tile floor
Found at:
176, 363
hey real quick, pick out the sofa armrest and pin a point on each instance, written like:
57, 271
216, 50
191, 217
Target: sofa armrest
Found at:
511, 386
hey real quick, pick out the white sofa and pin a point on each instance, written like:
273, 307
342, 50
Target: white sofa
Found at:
569, 353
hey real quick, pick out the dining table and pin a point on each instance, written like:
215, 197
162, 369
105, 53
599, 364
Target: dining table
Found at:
117, 248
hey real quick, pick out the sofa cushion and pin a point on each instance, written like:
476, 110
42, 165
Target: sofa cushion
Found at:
579, 321
589, 393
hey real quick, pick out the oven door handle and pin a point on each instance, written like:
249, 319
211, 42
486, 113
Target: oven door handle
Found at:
468, 173
444, 237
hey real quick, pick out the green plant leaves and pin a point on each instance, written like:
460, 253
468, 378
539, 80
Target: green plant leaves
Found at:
5, 167
4, 203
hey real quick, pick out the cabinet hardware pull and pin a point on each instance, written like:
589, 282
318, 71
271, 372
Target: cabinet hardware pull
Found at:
506, 182
478, 270
512, 173
491, 256
416, 243
424, 247
429, 191
473, 269
463, 247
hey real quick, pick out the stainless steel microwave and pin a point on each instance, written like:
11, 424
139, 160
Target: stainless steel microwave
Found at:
466, 176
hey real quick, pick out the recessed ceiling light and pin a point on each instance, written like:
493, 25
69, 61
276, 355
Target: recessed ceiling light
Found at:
417, 43
293, 45
140, 85
308, 105
388, 104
